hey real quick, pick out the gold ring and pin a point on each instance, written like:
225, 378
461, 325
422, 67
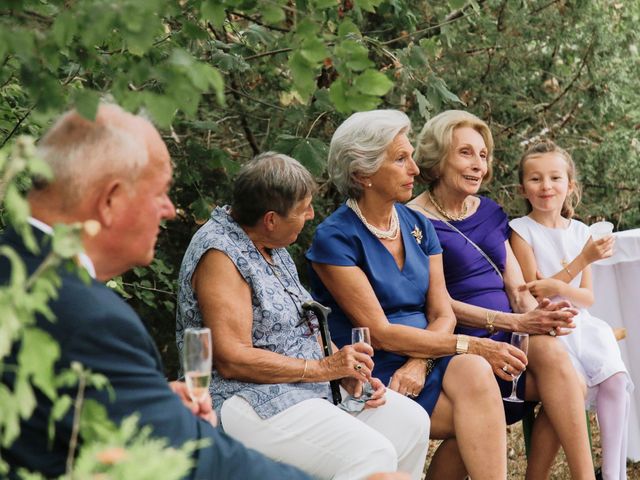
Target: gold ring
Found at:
358, 367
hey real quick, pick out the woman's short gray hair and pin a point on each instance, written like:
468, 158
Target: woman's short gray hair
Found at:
81, 152
270, 182
434, 143
359, 144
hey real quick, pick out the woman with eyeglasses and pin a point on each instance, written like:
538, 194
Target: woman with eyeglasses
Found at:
270, 380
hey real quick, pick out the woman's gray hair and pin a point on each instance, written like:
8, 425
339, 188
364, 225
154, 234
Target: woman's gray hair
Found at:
434, 143
81, 152
359, 145
270, 182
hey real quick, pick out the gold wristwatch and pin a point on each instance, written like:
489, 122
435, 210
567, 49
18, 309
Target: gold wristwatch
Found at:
462, 344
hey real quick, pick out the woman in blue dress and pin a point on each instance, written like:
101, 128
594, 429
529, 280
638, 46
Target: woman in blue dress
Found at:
378, 264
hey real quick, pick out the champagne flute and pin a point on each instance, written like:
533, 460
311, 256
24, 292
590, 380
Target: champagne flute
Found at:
361, 335
521, 341
196, 361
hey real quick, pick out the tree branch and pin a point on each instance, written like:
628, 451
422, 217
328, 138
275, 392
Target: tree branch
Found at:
258, 22
433, 30
266, 54
17, 126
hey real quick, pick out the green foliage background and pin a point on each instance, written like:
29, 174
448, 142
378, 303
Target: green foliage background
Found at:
226, 79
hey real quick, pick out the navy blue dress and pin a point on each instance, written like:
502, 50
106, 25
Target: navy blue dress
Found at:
343, 240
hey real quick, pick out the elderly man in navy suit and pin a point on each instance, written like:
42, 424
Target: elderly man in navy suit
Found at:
115, 170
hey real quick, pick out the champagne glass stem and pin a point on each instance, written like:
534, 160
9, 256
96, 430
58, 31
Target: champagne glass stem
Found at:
514, 388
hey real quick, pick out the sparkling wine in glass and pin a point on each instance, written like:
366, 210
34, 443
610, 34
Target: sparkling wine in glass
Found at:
196, 361
521, 341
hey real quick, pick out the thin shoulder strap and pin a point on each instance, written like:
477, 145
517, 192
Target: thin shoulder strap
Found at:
455, 229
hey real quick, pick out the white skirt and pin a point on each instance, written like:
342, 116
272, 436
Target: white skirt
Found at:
594, 353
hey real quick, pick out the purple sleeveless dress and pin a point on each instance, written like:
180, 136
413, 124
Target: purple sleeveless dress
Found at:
472, 279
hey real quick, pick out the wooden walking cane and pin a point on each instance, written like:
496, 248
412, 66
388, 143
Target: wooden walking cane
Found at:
322, 313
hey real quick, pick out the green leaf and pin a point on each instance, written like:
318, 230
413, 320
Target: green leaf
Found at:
67, 241
337, 95
372, 82
221, 160
347, 27
25, 399
10, 420
303, 74
61, 407
423, 104
444, 92
272, 13
87, 103
38, 353
17, 207
456, 4
354, 55
314, 50
368, 5
213, 10
360, 102
323, 4
312, 153
161, 108
63, 29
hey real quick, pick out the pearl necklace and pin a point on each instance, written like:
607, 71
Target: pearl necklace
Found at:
394, 227
444, 213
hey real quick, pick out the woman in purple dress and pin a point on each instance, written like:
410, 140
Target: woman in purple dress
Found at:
378, 264
454, 153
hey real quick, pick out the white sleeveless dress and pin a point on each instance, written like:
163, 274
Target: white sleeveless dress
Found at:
592, 346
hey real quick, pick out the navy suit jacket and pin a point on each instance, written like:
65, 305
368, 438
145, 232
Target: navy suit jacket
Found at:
96, 327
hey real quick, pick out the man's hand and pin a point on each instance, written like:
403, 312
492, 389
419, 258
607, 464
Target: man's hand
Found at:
203, 409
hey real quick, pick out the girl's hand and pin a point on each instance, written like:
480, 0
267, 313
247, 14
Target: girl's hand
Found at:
505, 360
409, 379
546, 316
544, 287
595, 250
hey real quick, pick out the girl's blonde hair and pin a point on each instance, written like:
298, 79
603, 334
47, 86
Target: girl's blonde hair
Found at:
542, 148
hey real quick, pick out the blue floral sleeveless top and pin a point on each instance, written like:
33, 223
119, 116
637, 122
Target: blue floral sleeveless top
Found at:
276, 297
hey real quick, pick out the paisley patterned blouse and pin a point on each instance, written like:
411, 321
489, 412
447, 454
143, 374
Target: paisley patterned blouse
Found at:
279, 323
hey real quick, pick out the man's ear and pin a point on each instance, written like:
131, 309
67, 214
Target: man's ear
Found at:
110, 200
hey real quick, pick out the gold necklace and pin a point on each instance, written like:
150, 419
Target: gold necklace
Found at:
444, 213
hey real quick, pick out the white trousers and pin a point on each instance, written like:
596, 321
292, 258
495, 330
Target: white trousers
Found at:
328, 443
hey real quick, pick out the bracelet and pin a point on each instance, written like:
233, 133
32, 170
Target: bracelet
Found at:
304, 370
491, 316
566, 269
429, 364
462, 344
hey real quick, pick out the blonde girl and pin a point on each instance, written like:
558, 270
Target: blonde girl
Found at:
555, 252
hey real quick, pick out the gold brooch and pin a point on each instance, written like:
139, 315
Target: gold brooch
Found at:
417, 234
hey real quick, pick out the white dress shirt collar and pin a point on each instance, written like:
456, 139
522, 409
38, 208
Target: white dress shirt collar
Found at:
83, 258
